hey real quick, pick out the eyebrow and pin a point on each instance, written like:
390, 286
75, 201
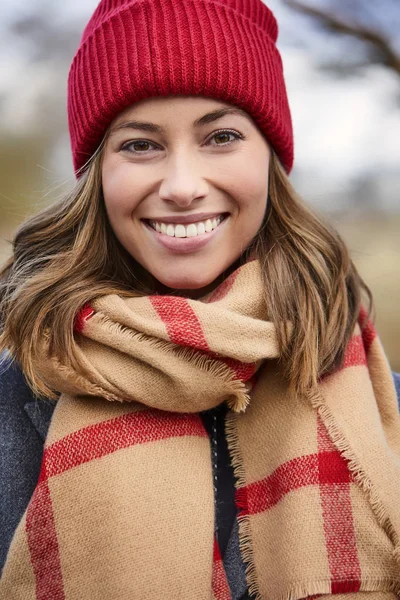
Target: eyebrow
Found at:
153, 128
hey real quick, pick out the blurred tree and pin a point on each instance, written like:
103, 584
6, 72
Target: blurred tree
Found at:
37, 42
41, 38
45, 37
21, 182
374, 26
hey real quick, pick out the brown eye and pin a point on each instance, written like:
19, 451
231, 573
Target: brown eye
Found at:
139, 146
222, 138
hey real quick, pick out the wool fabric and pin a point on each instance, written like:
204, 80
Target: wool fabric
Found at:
124, 506
134, 49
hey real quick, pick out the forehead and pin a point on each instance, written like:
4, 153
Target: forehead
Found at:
173, 110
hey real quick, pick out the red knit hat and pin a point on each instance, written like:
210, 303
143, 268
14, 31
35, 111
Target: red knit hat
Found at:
134, 49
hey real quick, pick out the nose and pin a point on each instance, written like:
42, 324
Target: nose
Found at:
183, 184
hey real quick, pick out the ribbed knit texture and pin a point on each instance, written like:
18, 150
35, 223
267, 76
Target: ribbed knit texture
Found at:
135, 49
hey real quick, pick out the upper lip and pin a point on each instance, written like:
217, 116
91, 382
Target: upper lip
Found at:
186, 218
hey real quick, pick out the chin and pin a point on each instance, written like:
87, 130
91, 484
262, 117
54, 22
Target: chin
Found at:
180, 282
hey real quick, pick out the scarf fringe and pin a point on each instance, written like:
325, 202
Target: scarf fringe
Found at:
324, 587
234, 449
354, 464
83, 382
240, 397
245, 535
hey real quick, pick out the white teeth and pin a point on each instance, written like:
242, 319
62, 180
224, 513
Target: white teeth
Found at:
191, 230
201, 228
180, 231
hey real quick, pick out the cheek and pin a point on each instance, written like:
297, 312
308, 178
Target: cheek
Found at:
252, 199
249, 175
120, 197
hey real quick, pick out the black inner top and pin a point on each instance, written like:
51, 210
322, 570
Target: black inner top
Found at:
225, 497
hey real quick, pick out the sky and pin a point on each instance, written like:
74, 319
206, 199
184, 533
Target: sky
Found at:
345, 129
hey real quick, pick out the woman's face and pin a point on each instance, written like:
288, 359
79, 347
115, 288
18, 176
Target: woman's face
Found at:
185, 183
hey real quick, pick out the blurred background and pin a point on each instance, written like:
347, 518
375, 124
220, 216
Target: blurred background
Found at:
342, 67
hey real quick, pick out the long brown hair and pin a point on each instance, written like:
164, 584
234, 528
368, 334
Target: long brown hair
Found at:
68, 254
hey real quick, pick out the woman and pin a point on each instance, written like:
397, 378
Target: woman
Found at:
225, 421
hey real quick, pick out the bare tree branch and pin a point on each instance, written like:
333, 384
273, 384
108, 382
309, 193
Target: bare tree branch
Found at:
387, 55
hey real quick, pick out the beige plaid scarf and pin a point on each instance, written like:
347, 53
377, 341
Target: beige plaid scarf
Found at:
124, 507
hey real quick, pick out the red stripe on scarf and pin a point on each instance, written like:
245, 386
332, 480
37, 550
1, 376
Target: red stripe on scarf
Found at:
313, 469
99, 440
327, 467
359, 346
43, 545
242, 371
184, 328
368, 336
89, 443
82, 316
367, 329
179, 318
220, 584
340, 538
329, 470
355, 353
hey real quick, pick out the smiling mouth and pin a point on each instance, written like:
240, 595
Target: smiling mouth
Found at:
179, 230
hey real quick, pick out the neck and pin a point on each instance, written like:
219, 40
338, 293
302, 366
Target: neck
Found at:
195, 294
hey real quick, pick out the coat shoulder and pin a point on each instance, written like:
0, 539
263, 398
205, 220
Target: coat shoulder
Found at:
24, 420
396, 378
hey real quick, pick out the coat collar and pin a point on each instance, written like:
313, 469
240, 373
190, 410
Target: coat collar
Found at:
40, 412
